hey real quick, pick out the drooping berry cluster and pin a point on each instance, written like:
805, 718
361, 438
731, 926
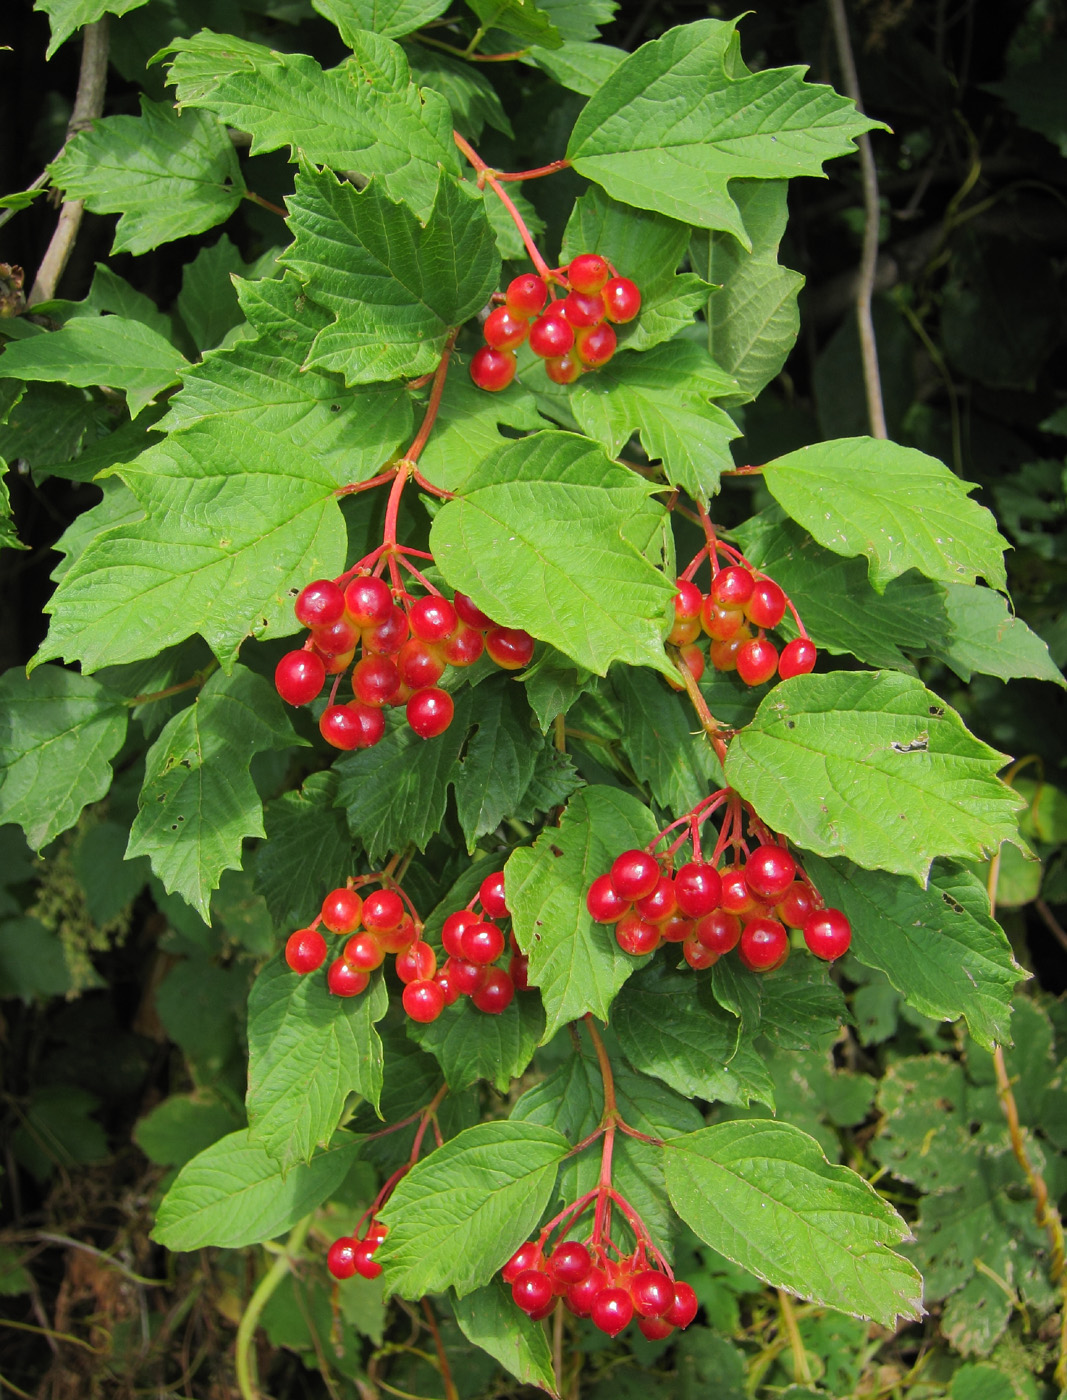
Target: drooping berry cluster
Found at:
572, 334
747, 902
406, 643
378, 923
739, 608
350, 1255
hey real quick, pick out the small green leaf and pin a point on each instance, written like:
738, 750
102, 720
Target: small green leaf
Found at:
489, 1318
899, 507
579, 66
763, 1194
466, 430
390, 18
58, 733
233, 1193
90, 350
657, 737
180, 1127
470, 1044
207, 302
576, 964
499, 761
461, 1213
8, 538
169, 173
522, 18
873, 766
986, 638
65, 16
470, 94
308, 851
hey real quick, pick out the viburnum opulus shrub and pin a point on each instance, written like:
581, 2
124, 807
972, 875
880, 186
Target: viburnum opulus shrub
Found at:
415, 531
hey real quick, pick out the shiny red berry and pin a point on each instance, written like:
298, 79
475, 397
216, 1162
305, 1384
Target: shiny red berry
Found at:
718, 931
652, 1292
769, 871
736, 897
828, 933
723, 655
697, 954
583, 310
341, 910
588, 272
469, 977
430, 712
564, 369
797, 658
352, 726
684, 1308
299, 677
452, 930
720, 621
595, 346
368, 601
446, 982
795, 905
503, 330
481, 943
338, 639
383, 910
510, 647
305, 950
551, 335
519, 971
526, 294
319, 604
622, 300
375, 680
732, 587
464, 647
341, 1257
496, 992
697, 888
491, 894
604, 902
532, 1290
492, 369
637, 936
687, 601
423, 1001
635, 874
766, 607
570, 1262
366, 1266
432, 618
658, 906
418, 664
389, 636
764, 943
757, 661
363, 952
527, 1256
345, 981
417, 963
654, 1329
471, 615
581, 1296
612, 1310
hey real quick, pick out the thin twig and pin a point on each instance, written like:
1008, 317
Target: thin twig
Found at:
865, 282
801, 1369
88, 105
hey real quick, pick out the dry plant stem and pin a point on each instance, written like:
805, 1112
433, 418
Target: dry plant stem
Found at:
88, 105
442, 1357
801, 1370
266, 204
869, 259
247, 1383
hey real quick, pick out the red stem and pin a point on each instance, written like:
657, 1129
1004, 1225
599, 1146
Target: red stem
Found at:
485, 175
411, 456
535, 174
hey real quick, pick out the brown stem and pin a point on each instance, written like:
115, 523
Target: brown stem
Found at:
198, 679
872, 215
88, 105
560, 732
471, 57
442, 1359
708, 722
266, 204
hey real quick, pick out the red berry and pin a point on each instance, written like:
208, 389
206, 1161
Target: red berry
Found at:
319, 604
452, 929
527, 1256
418, 664
352, 726
692, 658
519, 971
757, 661
368, 601
697, 954
503, 330
637, 936
732, 587
526, 294
828, 933
697, 888
766, 607
718, 931
684, 631
365, 1265
604, 902
563, 370
469, 977
299, 677
432, 618
464, 646
305, 950
736, 897
588, 272
492, 369
612, 1310
551, 336
496, 992
677, 929
769, 871
472, 616
581, 1296
510, 647
345, 981
570, 1262
395, 940
430, 712
383, 910
446, 982
341, 1257
532, 1291
797, 658
481, 943
337, 639
491, 894
583, 310
363, 952
635, 874
687, 601
719, 621
684, 1308
417, 963
658, 906
595, 346
375, 680
764, 943
341, 911
723, 655
389, 636
795, 905
654, 1329
622, 300
423, 1001
652, 1292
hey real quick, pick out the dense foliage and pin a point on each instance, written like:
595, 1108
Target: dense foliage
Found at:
531, 807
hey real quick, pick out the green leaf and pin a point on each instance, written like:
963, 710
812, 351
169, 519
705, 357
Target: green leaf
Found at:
499, 761
764, 1195
578, 66
65, 16
91, 350
307, 851
364, 115
800, 1006
390, 18
58, 733
553, 684
938, 946
470, 1045
32, 961
899, 507
199, 802
469, 93
207, 302
169, 173
873, 766
522, 18
657, 737
8, 538
1034, 92
262, 382
180, 1127
549, 536
682, 117
670, 1028
308, 1050
663, 395
233, 1194
576, 964
466, 430
461, 1213
46, 424
395, 287
986, 638
489, 1318
234, 517
752, 318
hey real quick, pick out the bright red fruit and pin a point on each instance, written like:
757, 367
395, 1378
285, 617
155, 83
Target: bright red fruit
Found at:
719, 621
588, 272
368, 601
687, 601
697, 954
305, 950
732, 587
635, 874
364, 1259
503, 330
595, 345
565, 369
464, 646
430, 712
432, 619
828, 933
658, 906
481, 943
769, 871
526, 294
551, 335
469, 977
604, 902
319, 604
736, 897
375, 680
676, 929
654, 1329
797, 658
452, 930
766, 607
723, 655
582, 1296
795, 905
395, 940
492, 369
423, 1001
652, 1292
532, 1290
345, 981
757, 661
612, 1310
341, 1257
582, 310
684, 1308
570, 1262
352, 726
416, 964
472, 616
299, 677
337, 639
622, 300
764, 943
418, 664
446, 982
718, 931
519, 971
637, 936
496, 992
510, 647
684, 631
697, 888
341, 911
363, 952
527, 1256
492, 896
382, 910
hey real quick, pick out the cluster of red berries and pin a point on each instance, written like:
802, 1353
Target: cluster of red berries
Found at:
737, 602
572, 334
348, 1255
747, 906
608, 1291
405, 650
475, 943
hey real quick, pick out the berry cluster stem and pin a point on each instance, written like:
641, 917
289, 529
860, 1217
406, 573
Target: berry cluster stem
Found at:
492, 179
708, 722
